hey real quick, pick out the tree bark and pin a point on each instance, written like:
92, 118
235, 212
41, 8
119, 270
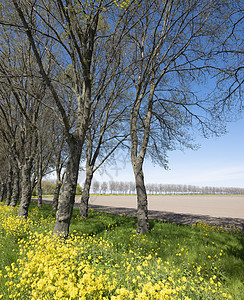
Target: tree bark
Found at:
67, 198
59, 182
39, 191
16, 186
2, 191
56, 195
86, 193
142, 204
39, 174
9, 186
26, 189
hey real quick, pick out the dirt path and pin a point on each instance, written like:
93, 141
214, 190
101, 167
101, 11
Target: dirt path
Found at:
223, 210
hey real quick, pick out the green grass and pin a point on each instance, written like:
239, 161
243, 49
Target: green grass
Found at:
194, 251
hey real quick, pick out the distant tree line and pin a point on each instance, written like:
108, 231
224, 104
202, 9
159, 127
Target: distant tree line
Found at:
120, 187
49, 188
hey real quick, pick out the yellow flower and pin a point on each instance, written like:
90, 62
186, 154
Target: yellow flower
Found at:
139, 268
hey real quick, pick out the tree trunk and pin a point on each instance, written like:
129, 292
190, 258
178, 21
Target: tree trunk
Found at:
59, 182
39, 191
16, 186
142, 205
39, 175
86, 193
25, 190
56, 195
67, 197
9, 186
2, 191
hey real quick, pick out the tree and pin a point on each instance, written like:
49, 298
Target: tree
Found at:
104, 187
48, 147
132, 187
3, 169
126, 187
230, 52
81, 55
112, 186
48, 187
173, 45
78, 190
60, 161
9, 137
106, 132
22, 91
70, 35
95, 187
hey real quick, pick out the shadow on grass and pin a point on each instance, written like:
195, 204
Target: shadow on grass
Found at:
180, 219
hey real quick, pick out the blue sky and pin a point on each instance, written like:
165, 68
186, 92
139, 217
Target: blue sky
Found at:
218, 162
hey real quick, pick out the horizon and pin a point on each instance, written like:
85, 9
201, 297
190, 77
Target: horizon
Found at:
218, 163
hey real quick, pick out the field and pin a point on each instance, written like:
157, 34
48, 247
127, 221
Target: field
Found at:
227, 206
105, 259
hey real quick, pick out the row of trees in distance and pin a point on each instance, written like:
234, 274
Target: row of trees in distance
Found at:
127, 188
49, 188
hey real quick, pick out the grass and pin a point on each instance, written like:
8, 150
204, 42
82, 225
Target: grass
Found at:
104, 258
